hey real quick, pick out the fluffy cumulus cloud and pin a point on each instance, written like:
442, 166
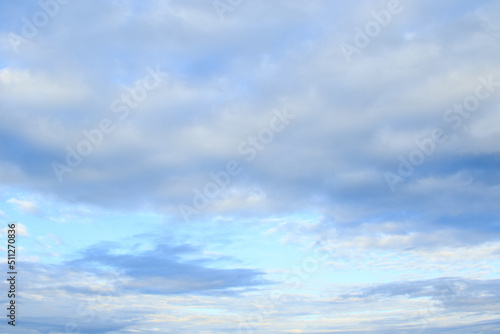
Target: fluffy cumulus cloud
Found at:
245, 134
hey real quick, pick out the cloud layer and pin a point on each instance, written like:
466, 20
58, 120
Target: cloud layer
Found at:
120, 116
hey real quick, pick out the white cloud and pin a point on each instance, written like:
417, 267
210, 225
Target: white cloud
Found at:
26, 206
21, 230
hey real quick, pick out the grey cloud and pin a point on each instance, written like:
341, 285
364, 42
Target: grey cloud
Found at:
454, 293
224, 79
163, 271
216, 95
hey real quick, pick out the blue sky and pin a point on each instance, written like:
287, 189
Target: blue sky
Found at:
252, 166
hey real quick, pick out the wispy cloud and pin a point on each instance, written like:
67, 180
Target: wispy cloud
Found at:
26, 206
163, 271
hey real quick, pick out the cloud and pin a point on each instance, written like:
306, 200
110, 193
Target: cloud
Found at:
21, 230
94, 299
163, 271
443, 289
334, 153
26, 206
222, 82
168, 277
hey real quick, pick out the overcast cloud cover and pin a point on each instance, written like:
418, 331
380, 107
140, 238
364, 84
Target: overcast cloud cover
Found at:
257, 166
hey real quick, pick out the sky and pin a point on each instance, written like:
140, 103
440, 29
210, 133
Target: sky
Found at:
237, 166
